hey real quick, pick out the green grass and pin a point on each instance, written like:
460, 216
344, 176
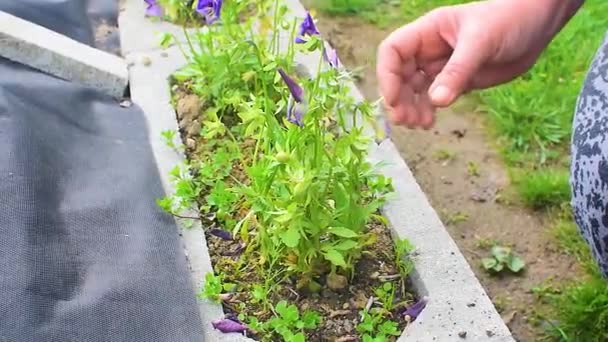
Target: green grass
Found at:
576, 311
544, 188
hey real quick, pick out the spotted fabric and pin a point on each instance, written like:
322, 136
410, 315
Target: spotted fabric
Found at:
589, 167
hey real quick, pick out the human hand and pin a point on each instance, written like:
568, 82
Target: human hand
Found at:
430, 62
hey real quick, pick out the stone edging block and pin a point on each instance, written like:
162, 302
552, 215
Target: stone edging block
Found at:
457, 301
48, 51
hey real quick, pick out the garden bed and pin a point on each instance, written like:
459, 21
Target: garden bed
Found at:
440, 271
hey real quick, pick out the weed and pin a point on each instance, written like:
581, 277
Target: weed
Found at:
473, 169
544, 188
580, 311
444, 156
214, 287
503, 258
403, 249
485, 243
456, 217
287, 322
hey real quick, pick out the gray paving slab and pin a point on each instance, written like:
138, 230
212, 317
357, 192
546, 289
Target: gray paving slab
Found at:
45, 50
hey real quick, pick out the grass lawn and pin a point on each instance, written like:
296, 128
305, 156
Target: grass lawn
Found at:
531, 119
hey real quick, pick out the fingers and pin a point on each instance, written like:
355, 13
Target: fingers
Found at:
402, 82
396, 62
455, 78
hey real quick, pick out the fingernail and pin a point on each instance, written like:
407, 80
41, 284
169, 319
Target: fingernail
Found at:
441, 95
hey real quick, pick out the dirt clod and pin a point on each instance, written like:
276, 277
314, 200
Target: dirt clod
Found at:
336, 281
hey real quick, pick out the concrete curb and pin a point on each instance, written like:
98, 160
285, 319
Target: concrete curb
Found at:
457, 302
33, 45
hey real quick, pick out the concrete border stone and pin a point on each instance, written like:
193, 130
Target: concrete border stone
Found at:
48, 51
457, 301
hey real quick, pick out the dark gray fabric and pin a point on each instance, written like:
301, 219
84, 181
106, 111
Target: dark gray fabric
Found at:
85, 253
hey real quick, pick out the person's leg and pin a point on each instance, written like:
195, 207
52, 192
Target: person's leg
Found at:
589, 170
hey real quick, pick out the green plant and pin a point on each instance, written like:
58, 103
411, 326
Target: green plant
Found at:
503, 258
403, 250
214, 287
168, 138
386, 294
545, 188
445, 155
374, 328
456, 217
580, 311
485, 243
287, 323
473, 169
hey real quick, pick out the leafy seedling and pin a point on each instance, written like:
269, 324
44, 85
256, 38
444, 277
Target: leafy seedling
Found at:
473, 169
503, 258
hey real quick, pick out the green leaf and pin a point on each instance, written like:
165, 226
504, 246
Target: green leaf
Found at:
291, 237
288, 313
489, 263
299, 337
310, 319
342, 232
346, 245
335, 257
498, 267
516, 264
501, 253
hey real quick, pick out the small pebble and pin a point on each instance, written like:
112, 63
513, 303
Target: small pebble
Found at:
462, 334
471, 305
490, 333
191, 143
345, 306
146, 61
164, 54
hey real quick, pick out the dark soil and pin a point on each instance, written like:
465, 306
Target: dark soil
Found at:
475, 209
340, 308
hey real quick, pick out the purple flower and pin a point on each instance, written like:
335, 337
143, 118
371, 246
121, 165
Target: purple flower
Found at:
222, 234
411, 313
295, 112
210, 9
307, 28
296, 91
153, 9
229, 326
295, 106
331, 56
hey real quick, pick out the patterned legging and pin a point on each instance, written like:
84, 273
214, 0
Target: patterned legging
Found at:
589, 170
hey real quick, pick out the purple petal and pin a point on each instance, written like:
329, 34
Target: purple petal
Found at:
295, 112
331, 56
210, 9
222, 234
153, 9
296, 91
228, 326
307, 28
414, 311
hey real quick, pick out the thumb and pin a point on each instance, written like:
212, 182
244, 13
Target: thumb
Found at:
455, 77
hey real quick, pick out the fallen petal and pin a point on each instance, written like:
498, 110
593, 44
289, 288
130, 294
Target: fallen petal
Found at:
222, 234
411, 313
229, 326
